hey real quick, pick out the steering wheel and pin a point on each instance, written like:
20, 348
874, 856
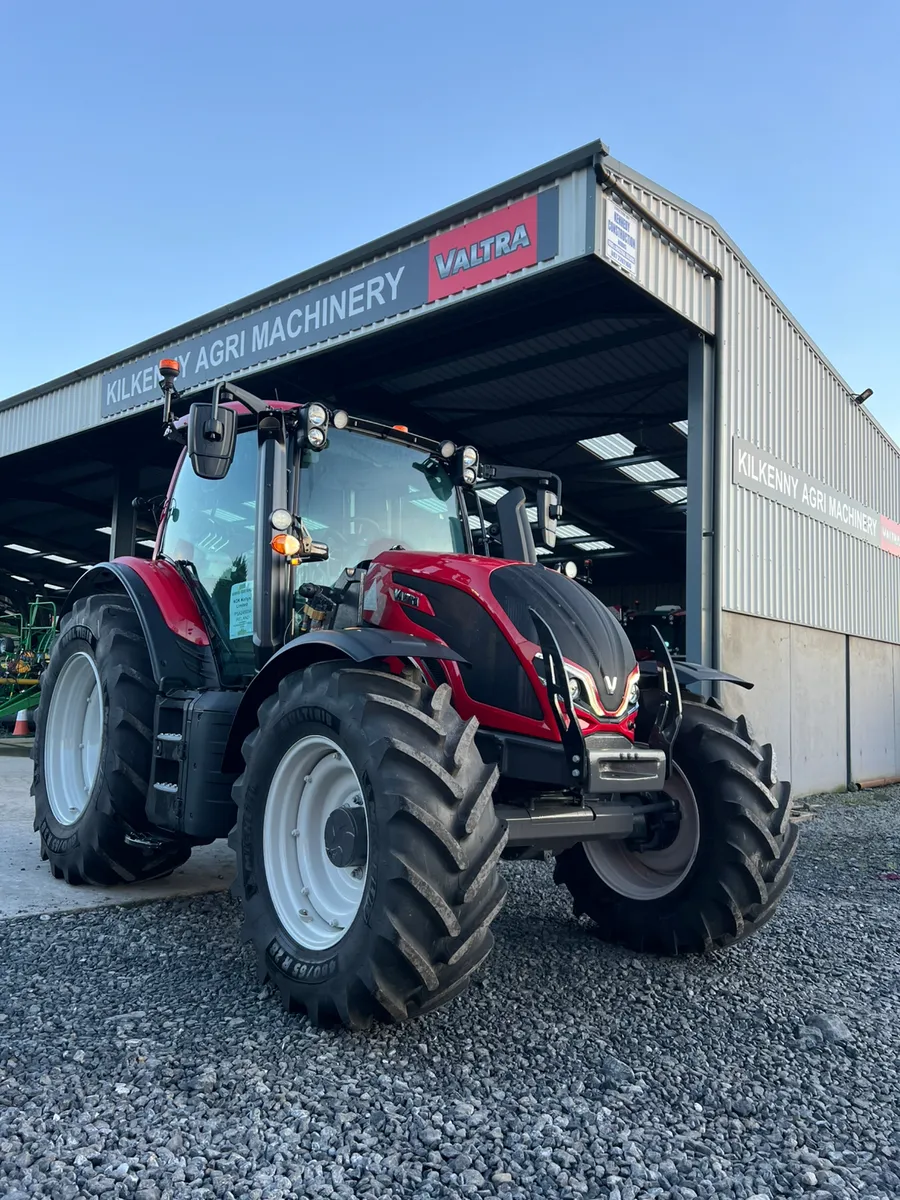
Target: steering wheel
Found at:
358, 521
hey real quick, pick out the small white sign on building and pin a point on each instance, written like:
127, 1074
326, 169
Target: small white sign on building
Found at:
621, 240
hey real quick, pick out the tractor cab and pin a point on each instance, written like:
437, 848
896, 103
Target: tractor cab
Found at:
361, 493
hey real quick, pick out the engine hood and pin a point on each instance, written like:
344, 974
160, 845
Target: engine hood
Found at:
588, 633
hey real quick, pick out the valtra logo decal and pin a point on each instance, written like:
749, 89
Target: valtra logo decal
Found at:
464, 258
498, 244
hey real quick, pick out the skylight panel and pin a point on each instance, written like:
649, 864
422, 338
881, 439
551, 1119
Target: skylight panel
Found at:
675, 495
648, 472
21, 549
492, 494
612, 445
681, 426
595, 545
571, 531
60, 558
105, 529
54, 587
432, 504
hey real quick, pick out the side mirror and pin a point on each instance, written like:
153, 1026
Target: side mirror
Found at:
547, 516
211, 439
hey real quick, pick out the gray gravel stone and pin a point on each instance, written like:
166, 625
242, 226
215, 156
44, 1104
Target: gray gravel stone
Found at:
139, 1058
832, 1027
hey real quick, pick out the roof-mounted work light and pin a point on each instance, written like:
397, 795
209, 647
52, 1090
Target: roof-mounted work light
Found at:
315, 425
465, 465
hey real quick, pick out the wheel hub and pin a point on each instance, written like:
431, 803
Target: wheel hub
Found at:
653, 869
74, 738
315, 842
346, 836
655, 826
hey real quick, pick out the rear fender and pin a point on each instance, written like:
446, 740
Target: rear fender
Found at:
367, 644
180, 652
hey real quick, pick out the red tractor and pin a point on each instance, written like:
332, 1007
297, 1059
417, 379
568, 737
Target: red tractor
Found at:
322, 664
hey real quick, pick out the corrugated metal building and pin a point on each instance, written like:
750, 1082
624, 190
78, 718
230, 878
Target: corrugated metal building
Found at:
582, 318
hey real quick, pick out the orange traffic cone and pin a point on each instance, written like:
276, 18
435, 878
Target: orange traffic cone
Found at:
21, 729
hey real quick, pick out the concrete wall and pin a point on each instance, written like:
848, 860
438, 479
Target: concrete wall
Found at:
874, 703
799, 698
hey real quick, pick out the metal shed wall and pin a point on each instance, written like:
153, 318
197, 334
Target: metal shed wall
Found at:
779, 393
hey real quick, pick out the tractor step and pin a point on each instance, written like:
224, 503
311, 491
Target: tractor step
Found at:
189, 793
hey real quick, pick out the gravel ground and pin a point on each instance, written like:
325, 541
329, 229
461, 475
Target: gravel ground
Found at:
140, 1058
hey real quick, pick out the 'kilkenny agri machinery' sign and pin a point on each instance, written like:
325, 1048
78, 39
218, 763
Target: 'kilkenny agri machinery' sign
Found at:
752, 468
498, 244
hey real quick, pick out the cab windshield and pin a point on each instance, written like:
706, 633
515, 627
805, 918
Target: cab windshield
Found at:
363, 495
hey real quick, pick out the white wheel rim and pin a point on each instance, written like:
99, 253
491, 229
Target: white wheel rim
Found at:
651, 874
74, 738
316, 901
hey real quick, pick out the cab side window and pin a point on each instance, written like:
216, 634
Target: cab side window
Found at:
212, 524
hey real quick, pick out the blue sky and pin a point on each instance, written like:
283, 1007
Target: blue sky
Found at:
163, 159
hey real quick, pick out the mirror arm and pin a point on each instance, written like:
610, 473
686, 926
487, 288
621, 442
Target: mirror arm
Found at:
233, 392
487, 471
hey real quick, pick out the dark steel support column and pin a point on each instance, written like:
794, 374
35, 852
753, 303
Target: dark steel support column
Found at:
701, 458
127, 485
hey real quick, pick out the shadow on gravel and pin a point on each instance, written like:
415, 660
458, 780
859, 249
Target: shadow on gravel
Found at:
140, 1058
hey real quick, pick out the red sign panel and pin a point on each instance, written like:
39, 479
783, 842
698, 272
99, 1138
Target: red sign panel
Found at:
890, 535
495, 245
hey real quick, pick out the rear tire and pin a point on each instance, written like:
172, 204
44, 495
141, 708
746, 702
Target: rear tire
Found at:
412, 929
92, 771
742, 861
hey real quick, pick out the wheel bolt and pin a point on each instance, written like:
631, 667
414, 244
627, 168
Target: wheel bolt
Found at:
295, 833
357, 872
335, 925
303, 913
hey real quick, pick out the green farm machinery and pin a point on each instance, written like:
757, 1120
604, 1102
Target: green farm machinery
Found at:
25, 644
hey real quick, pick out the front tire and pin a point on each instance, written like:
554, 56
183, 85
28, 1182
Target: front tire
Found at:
93, 748
391, 922
725, 873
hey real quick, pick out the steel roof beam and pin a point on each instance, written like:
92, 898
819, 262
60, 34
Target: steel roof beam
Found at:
554, 404
656, 327
633, 460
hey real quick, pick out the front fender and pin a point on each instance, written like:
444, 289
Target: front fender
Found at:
364, 644
688, 674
